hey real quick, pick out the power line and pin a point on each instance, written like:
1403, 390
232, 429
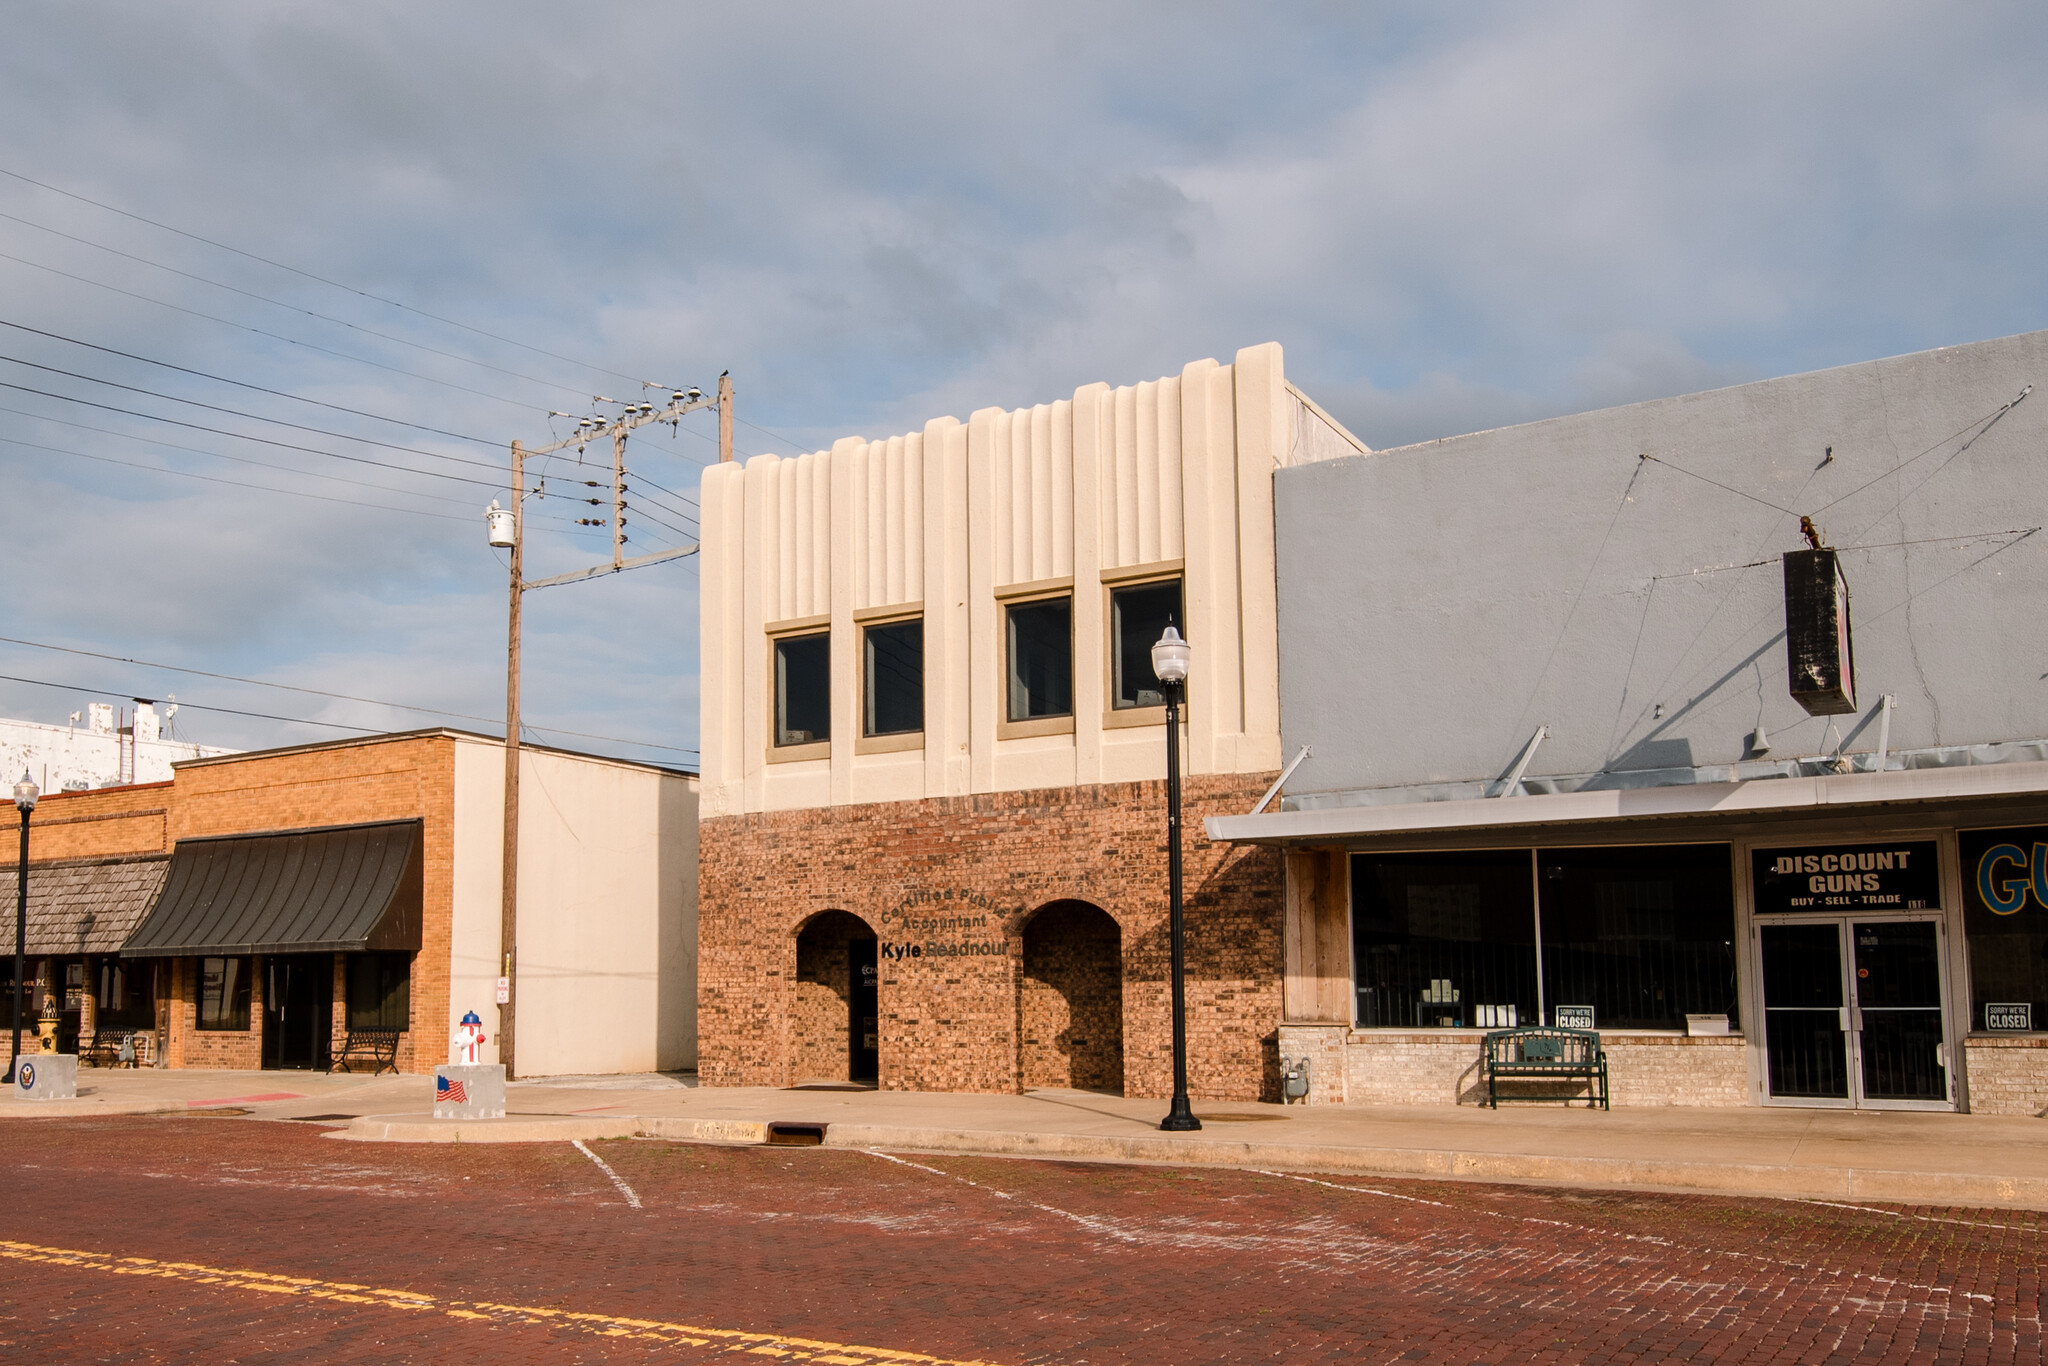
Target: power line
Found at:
237, 483
240, 460
263, 440
332, 284
310, 313
290, 687
243, 384
274, 336
238, 412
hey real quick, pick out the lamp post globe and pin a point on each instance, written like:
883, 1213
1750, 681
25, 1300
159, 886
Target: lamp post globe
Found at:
1170, 659
25, 794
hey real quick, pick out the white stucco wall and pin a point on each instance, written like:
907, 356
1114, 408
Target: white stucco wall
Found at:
606, 962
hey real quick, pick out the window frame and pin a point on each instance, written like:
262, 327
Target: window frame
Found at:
1027, 595
1116, 581
893, 741
777, 634
243, 994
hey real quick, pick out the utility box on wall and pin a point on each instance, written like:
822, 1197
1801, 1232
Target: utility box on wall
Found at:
1820, 665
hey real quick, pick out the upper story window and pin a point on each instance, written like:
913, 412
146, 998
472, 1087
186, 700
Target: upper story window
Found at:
803, 689
1041, 658
1138, 616
892, 665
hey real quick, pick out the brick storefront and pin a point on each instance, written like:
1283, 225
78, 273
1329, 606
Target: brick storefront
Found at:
947, 887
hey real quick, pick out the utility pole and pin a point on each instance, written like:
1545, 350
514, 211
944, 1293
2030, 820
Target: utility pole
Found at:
725, 417
514, 538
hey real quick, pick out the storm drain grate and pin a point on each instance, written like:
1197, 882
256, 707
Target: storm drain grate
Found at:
786, 1135
322, 1119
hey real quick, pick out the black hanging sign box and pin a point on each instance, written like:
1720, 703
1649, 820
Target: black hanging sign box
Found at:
1820, 666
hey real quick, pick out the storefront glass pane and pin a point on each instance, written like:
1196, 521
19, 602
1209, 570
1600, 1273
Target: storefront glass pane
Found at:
1443, 940
379, 990
1646, 936
122, 997
2005, 920
223, 993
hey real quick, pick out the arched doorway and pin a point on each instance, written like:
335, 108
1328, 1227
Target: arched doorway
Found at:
835, 1017
1070, 999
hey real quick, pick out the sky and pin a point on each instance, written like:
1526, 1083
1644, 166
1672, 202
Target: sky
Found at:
341, 256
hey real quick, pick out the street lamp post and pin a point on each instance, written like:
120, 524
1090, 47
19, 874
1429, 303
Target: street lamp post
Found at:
1170, 664
25, 794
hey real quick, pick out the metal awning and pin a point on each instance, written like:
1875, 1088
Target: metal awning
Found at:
1757, 799
340, 889
81, 906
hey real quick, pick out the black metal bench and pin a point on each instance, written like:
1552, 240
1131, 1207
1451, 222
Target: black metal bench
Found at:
378, 1047
101, 1048
1534, 1052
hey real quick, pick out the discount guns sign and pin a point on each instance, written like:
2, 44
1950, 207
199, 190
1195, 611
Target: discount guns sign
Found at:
1899, 876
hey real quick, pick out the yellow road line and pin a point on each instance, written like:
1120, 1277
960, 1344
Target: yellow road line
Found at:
605, 1325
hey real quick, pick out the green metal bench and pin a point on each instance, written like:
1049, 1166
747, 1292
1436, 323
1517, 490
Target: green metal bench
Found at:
1540, 1053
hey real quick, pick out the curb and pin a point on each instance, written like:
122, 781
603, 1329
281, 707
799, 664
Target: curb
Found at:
514, 1129
93, 1109
1771, 1180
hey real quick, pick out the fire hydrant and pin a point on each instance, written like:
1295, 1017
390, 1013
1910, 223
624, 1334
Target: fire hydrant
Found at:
467, 1039
46, 1025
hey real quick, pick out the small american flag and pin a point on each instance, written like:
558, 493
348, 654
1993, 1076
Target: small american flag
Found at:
447, 1092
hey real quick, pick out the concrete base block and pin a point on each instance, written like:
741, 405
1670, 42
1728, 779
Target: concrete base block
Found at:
46, 1076
469, 1091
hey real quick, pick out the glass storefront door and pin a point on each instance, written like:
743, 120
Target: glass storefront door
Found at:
1853, 1012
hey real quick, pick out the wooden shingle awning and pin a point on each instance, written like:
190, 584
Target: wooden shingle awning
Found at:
82, 906
338, 889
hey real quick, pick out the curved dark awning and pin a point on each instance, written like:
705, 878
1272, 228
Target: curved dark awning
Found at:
340, 889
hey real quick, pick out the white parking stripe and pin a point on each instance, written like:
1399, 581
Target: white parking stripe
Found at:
606, 1168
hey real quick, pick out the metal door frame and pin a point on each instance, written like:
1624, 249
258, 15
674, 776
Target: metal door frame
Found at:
1846, 921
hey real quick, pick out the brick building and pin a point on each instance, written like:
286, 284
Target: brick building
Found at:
250, 911
933, 845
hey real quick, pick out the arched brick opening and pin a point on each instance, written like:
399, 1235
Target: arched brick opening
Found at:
834, 1016
1070, 999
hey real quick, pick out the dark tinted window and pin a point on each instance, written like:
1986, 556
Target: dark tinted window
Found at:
123, 997
1137, 618
803, 689
1041, 650
223, 993
1645, 936
379, 990
1437, 936
2005, 918
895, 678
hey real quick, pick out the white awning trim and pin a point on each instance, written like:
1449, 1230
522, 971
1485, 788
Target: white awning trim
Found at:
1758, 797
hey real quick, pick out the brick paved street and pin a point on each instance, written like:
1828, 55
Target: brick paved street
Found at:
225, 1240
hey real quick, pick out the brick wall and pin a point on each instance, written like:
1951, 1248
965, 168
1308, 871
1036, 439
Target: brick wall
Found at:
1441, 1067
821, 999
955, 879
342, 785
1070, 1017
97, 824
2008, 1076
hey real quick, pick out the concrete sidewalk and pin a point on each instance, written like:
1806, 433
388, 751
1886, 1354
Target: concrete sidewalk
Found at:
1894, 1156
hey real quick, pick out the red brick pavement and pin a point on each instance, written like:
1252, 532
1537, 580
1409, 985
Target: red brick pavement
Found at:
471, 1249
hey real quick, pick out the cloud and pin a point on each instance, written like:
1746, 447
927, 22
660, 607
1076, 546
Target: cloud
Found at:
876, 215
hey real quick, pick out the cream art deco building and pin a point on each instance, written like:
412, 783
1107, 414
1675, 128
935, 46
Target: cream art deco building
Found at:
933, 833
